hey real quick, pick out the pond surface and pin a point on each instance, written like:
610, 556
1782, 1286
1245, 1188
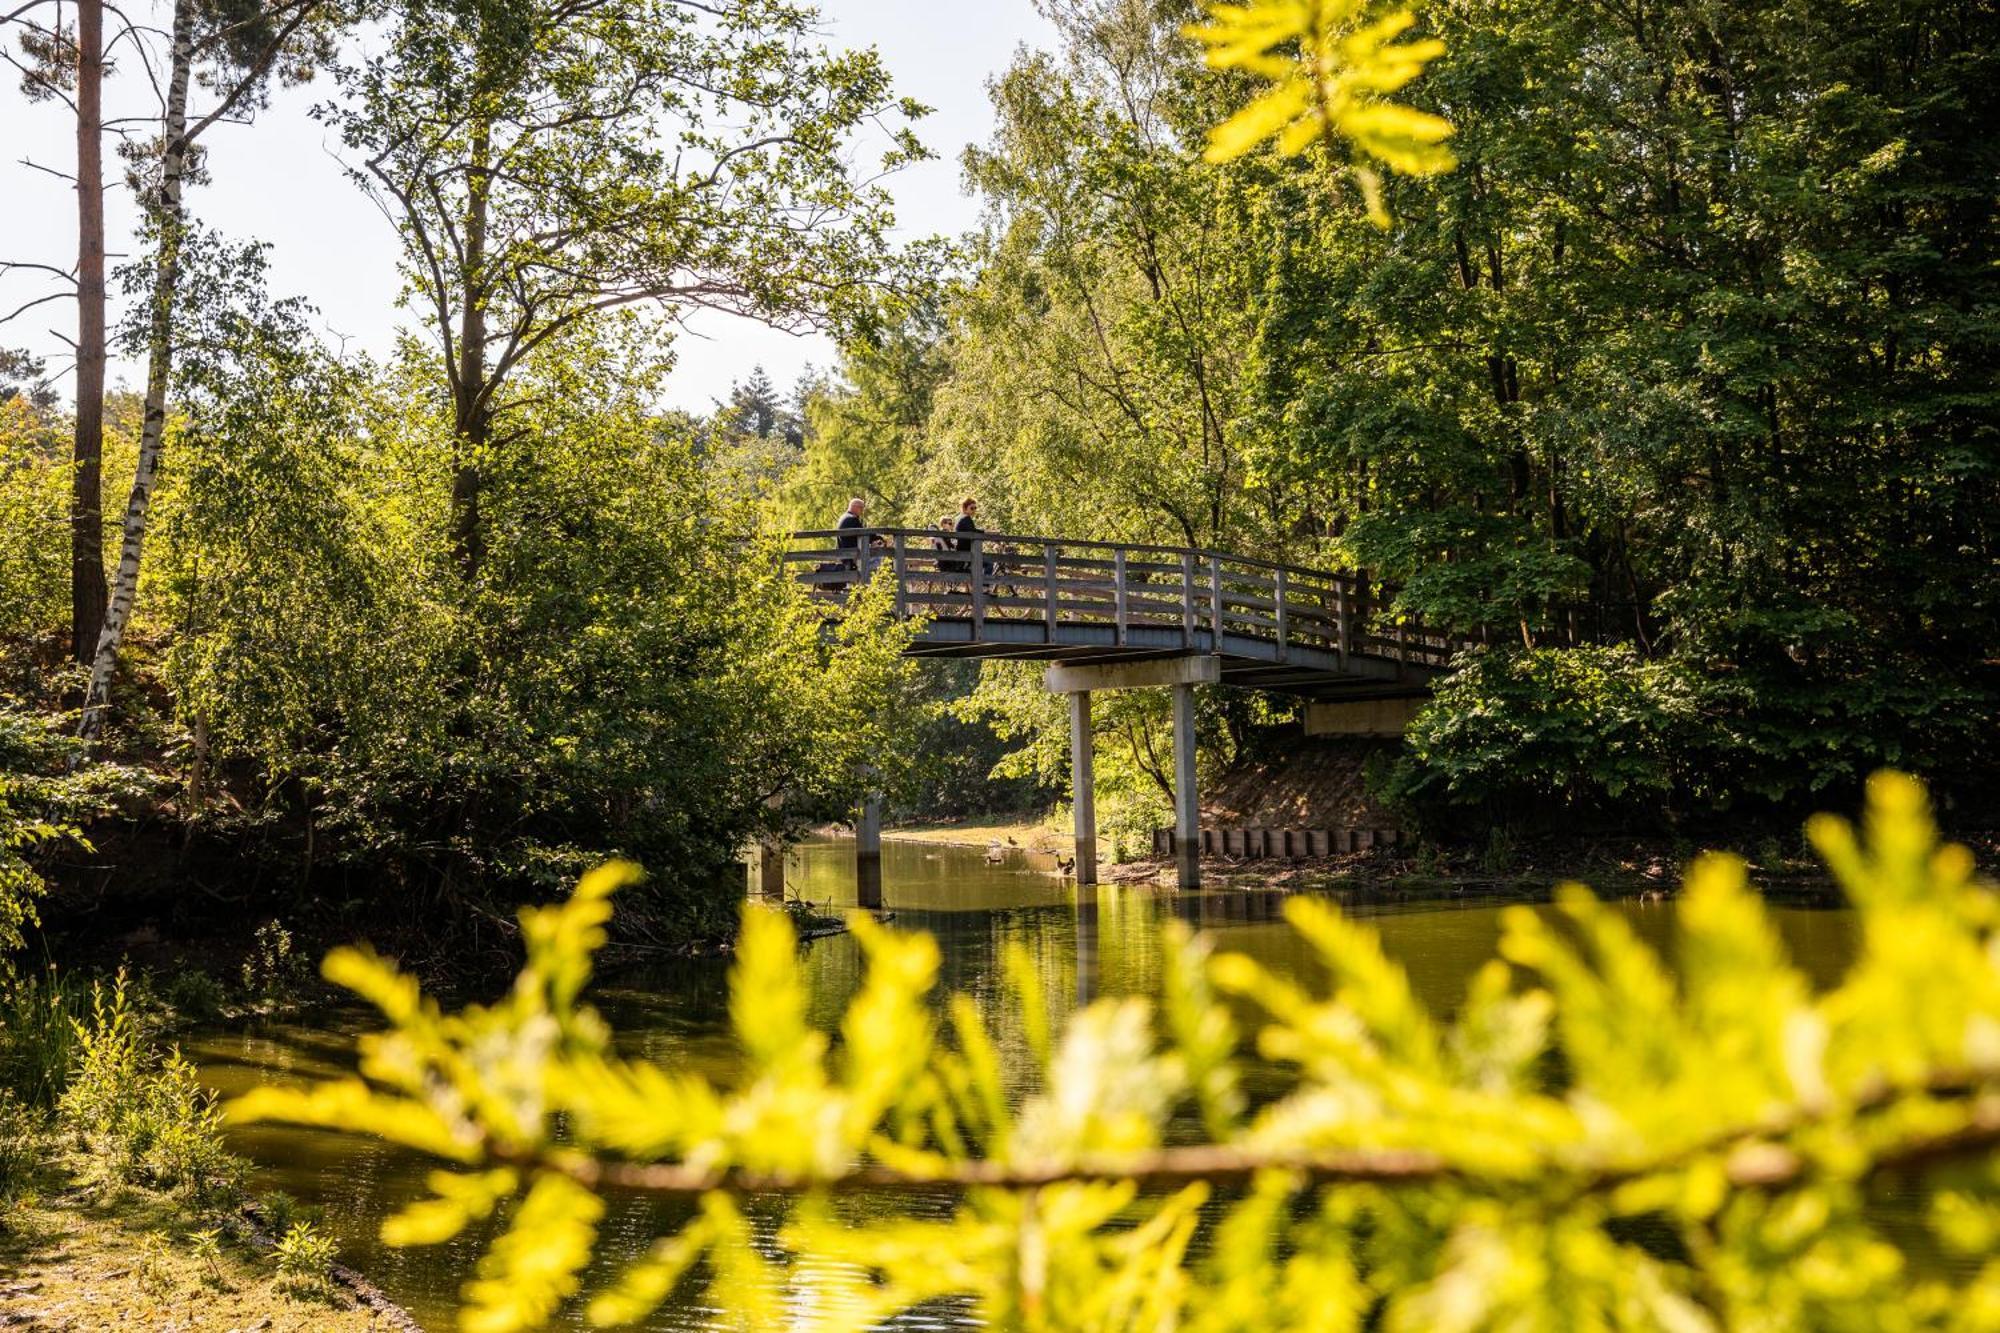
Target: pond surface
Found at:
1102, 941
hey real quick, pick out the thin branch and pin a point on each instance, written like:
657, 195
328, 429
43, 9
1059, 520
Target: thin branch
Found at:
68, 275
18, 311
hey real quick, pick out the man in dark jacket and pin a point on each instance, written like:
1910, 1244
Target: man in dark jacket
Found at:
850, 526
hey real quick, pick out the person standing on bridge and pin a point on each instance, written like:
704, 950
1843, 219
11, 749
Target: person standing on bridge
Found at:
850, 526
968, 522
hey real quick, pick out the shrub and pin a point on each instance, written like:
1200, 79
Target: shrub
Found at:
273, 971
38, 1035
48, 790
145, 1119
108, 1063
194, 995
305, 1260
1548, 732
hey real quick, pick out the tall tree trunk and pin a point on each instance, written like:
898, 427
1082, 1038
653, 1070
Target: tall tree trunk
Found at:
473, 404
169, 224
86, 505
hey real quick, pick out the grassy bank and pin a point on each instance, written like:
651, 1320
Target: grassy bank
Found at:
83, 1256
119, 1204
1034, 832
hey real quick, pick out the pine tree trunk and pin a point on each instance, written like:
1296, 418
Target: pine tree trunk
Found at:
86, 506
169, 223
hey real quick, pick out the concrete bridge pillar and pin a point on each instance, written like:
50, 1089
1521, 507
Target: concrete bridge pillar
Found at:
1187, 804
1083, 788
1182, 674
771, 869
868, 853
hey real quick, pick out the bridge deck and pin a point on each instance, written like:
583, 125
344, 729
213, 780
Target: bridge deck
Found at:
1275, 626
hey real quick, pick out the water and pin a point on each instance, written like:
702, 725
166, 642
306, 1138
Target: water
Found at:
1102, 941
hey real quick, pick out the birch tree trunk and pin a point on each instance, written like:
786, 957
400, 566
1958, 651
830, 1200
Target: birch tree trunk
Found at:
169, 220
86, 507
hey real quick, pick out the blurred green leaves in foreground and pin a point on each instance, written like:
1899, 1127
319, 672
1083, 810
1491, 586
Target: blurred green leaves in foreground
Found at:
1331, 65
1595, 1141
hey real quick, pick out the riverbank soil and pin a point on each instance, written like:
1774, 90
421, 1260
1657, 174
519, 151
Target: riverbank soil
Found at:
75, 1258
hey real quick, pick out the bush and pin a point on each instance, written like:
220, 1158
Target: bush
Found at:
38, 1035
305, 1261
1547, 732
193, 995
48, 790
272, 971
144, 1119
1592, 1140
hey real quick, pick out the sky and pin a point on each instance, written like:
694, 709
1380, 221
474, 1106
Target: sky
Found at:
280, 180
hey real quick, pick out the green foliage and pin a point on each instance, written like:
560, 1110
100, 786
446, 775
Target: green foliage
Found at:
192, 995
39, 1013
281, 1211
1590, 1142
34, 520
1542, 735
305, 1261
1549, 732
143, 1117
1333, 62
272, 972
47, 790
205, 1245
630, 672
1605, 381
23, 1145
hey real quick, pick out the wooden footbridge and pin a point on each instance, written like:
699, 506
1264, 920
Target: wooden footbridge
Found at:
1110, 615
1271, 626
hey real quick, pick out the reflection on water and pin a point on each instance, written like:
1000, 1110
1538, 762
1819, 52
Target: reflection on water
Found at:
1102, 941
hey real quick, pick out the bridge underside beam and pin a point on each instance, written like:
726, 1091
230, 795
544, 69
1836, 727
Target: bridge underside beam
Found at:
1072, 679
1246, 661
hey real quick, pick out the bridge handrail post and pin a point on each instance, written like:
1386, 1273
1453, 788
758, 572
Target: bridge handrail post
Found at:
976, 571
1343, 615
901, 565
1187, 599
1284, 621
1049, 590
1215, 601
1119, 594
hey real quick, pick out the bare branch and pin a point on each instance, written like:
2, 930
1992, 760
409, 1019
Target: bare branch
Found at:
40, 300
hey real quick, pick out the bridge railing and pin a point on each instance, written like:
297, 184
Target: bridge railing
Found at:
1135, 590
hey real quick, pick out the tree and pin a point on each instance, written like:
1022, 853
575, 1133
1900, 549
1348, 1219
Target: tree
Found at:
239, 44
866, 429
68, 64
549, 160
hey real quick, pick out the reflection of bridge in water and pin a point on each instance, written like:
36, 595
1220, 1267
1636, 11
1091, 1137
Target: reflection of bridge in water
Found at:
1110, 615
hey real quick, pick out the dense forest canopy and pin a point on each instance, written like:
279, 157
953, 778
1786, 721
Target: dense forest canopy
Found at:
1680, 389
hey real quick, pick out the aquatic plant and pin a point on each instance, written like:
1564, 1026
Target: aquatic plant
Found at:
1589, 1143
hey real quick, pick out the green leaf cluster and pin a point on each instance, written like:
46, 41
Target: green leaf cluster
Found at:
1333, 63
1592, 1140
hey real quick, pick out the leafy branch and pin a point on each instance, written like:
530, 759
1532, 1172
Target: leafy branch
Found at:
1404, 1164
1332, 67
